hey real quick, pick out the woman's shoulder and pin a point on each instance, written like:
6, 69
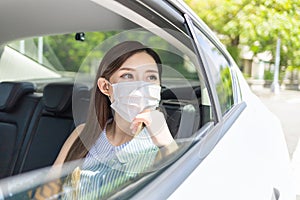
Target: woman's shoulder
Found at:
79, 128
76, 132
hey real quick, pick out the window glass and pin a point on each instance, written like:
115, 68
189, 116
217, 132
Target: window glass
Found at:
184, 98
238, 92
220, 71
48, 57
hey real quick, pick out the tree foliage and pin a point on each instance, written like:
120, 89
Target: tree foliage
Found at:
68, 54
255, 23
65, 53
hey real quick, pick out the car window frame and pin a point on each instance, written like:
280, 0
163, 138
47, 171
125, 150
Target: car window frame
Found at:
224, 121
235, 82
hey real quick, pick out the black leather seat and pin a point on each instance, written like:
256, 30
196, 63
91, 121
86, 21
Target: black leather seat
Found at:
50, 127
17, 104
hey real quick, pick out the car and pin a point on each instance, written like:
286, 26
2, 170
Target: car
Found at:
230, 145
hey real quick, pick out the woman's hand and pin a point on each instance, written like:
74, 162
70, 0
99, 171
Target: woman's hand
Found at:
156, 124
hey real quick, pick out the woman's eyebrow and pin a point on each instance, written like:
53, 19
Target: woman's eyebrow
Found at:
127, 68
133, 69
152, 71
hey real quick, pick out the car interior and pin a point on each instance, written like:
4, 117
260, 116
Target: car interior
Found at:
34, 126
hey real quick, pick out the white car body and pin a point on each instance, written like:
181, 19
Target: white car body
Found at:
231, 162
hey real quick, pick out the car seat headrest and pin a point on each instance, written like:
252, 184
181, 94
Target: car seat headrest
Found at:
11, 92
80, 103
57, 97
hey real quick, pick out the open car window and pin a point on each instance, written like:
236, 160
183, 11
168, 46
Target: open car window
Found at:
75, 57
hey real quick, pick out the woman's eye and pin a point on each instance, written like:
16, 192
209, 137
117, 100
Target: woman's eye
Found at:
152, 78
127, 76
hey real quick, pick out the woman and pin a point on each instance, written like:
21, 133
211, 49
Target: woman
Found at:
124, 132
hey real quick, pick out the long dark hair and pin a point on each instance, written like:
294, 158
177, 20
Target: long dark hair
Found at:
99, 108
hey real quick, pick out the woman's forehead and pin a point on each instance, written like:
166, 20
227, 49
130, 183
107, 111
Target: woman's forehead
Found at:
145, 67
139, 59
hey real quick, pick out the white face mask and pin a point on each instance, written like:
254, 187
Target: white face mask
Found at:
131, 98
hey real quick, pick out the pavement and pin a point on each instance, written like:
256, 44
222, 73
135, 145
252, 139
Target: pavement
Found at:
286, 106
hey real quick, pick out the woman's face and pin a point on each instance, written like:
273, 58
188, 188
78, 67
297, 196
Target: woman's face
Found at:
139, 67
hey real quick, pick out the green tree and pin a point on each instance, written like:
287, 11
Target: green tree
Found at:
255, 23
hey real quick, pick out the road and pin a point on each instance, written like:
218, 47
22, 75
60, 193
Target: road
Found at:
286, 106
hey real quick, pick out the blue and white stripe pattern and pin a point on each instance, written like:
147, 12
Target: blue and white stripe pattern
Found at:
106, 167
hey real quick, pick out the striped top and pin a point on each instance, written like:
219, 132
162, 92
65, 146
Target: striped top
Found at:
106, 167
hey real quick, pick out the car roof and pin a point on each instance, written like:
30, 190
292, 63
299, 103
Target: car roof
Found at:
27, 18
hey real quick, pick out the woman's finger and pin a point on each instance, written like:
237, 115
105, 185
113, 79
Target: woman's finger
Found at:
143, 117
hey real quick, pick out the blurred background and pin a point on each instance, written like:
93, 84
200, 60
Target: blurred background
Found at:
251, 30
